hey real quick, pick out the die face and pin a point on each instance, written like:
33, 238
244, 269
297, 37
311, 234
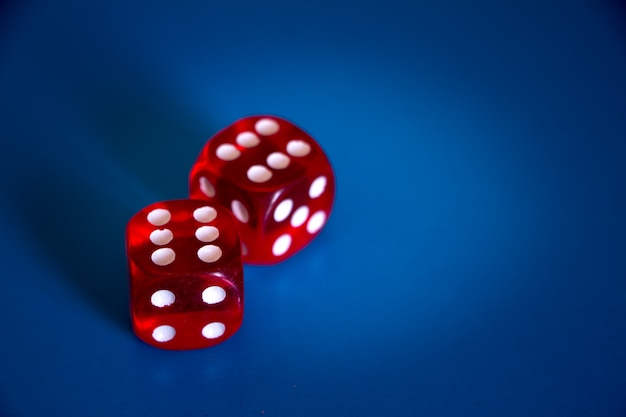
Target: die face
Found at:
187, 312
186, 274
275, 179
293, 219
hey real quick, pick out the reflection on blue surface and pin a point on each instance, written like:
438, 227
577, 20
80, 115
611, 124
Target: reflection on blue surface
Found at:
474, 263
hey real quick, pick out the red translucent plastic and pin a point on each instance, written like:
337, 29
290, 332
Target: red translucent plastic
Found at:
274, 178
186, 274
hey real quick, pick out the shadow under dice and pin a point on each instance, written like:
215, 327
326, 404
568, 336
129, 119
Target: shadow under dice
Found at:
274, 178
186, 274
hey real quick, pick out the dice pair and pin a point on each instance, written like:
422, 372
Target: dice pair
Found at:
260, 191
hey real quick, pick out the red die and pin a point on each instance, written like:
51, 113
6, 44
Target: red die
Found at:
275, 179
186, 274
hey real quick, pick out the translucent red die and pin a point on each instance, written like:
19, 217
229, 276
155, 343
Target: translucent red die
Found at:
186, 274
275, 179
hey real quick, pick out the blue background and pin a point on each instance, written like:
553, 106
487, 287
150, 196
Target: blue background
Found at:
475, 263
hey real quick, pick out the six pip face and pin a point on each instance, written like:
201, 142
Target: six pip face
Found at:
186, 274
260, 191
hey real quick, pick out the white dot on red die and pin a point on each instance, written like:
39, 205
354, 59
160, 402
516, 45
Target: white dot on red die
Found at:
206, 187
281, 245
209, 253
213, 295
317, 187
259, 174
227, 152
283, 210
162, 298
278, 160
300, 216
240, 211
159, 217
213, 330
247, 140
161, 236
266, 127
163, 256
207, 233
205, 214
163, 333
316, 222
298, 148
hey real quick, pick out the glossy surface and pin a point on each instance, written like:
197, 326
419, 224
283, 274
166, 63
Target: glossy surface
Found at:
276, 180
473, 264
186, 277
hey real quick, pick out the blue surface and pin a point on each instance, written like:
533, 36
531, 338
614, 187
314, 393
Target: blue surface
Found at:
475, 263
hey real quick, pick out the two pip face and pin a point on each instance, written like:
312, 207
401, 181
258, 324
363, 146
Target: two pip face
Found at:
260, 191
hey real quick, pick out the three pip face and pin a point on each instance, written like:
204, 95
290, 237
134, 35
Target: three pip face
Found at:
260, 191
